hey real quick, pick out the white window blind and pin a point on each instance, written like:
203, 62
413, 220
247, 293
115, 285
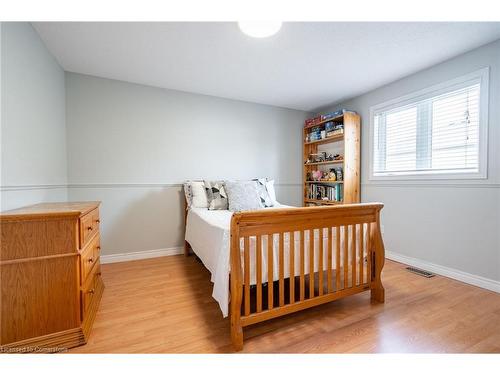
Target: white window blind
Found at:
437, 133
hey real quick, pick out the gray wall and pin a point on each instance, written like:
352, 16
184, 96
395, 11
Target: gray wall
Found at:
131, 146
454, 224
33, 134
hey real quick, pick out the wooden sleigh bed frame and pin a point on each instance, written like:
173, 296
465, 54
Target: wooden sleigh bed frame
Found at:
362, 256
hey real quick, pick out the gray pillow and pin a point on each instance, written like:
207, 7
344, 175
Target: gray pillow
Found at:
242, 195
216, 195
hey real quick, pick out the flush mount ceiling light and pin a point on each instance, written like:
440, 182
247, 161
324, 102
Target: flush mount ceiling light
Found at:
260, 29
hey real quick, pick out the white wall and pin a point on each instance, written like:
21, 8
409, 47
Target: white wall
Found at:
33, 134
453, 224
131, 146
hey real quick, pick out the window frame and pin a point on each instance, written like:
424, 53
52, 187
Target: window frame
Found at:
480, 76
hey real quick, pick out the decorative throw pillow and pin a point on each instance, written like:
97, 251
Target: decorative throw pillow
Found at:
188, 193
271, 192
195, 194
264, 196
216, 194
242, 195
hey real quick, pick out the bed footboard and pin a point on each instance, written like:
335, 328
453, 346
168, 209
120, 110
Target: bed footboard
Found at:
332, 252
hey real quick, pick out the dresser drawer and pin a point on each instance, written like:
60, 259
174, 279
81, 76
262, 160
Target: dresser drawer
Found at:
89, 257
90, 288
97, 247
89, 225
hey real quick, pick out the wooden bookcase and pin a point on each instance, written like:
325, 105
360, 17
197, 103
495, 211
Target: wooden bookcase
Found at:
347, 145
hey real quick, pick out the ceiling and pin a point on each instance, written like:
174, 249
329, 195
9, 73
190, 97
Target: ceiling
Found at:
305, 66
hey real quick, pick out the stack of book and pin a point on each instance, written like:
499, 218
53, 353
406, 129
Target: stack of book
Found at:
333, 128
312, 121
315, 134
334, 114
325, 192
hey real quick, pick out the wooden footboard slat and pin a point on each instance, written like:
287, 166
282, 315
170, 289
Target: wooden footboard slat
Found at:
368, 255
292, 267
346, 256
330, 266
337, 258
361, 253
270, 269
258, 249
311, 263
281, 269
320, 262
246, 252
302, 265
354, 255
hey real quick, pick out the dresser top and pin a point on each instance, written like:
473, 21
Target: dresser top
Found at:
51, 209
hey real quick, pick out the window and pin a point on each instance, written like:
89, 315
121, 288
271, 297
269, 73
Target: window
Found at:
439, 132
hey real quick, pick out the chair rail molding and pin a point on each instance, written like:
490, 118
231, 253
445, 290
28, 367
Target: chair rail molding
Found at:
108, 185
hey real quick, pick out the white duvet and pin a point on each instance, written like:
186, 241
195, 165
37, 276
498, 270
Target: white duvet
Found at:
207, 231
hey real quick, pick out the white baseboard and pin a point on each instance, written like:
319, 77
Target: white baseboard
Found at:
452, 273
146, 254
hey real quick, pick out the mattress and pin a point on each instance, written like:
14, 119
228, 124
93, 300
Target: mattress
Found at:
208, 233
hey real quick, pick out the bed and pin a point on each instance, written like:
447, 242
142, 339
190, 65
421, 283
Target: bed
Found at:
276, 261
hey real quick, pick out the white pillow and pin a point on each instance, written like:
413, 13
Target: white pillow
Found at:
271, 192
265, 198
199, 195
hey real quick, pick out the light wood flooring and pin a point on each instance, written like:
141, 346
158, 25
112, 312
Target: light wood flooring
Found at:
164, 305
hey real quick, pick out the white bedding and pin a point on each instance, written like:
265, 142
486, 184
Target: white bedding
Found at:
207, 231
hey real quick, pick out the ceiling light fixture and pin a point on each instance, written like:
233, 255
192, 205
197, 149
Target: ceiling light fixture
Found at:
260, 29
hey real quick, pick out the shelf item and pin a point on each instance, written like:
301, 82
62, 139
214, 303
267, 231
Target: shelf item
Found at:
341, 161
318, 201
323, 119
335, 138
329, 191
324, 182
347, 188
338, 118
324, 129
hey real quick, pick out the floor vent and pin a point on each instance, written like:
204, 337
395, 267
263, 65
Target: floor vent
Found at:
420, 272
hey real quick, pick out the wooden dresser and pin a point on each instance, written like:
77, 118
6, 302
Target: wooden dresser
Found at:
50, 276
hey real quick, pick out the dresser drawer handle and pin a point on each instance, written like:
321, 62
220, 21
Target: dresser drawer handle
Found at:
89, 228
98, 247
91, 291
98, 274
91, 260
98, 221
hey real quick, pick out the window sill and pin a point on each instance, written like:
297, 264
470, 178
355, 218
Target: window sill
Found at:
470, 183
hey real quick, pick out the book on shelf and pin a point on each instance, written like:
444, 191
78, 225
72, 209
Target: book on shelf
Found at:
324, 192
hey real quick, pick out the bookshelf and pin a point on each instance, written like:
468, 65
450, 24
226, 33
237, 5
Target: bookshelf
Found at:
325, 137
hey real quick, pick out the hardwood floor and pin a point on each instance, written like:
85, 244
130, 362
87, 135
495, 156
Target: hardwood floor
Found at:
164, 305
